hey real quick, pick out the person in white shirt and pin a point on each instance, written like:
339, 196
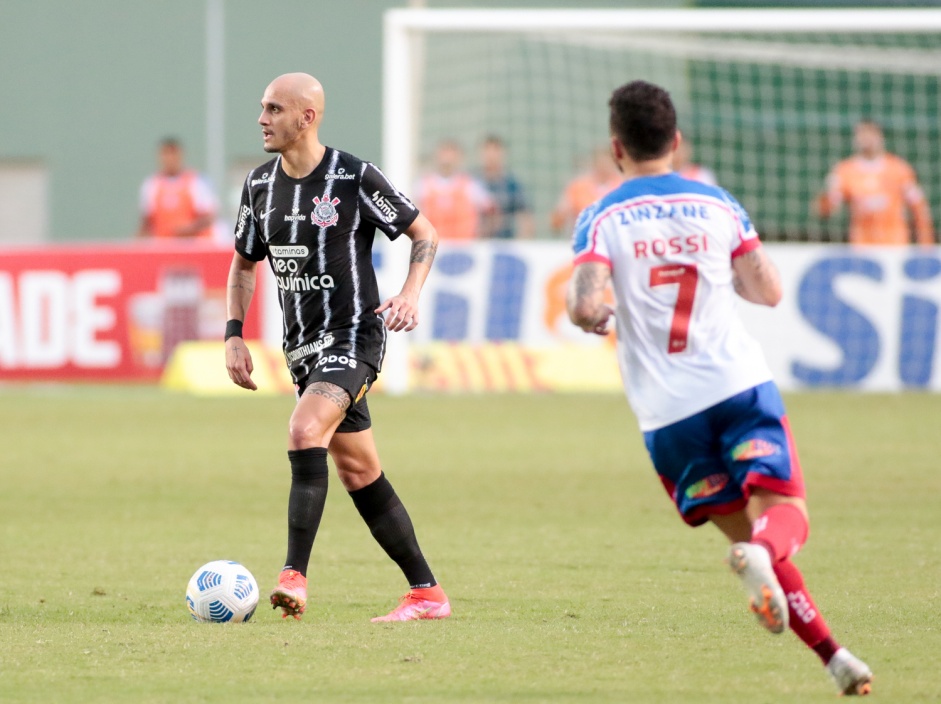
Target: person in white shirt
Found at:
676, 252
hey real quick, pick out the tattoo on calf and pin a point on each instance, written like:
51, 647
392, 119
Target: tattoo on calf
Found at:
423, 252
333, 393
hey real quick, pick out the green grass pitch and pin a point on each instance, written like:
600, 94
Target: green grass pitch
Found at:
571, 578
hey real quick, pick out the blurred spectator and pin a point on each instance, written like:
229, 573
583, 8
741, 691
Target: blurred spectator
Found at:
601, 178
878, 187
176, 202
684, 166
512, 216
457, 204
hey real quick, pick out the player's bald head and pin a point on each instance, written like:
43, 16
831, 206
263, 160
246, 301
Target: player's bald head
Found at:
298, 90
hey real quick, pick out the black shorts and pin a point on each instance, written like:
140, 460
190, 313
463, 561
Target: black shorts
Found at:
353, 376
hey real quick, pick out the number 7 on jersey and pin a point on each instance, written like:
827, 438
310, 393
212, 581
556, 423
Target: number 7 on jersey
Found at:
686, 277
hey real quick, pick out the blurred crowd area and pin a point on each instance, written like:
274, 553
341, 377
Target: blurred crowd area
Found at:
480, 196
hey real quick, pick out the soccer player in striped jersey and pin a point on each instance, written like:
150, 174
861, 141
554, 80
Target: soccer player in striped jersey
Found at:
313, 212
676, 252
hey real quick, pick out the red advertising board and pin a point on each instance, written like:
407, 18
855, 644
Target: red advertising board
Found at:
109, 312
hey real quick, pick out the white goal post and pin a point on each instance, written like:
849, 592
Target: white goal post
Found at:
767, 97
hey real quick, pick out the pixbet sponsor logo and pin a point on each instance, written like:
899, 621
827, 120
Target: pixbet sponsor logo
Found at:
328, 363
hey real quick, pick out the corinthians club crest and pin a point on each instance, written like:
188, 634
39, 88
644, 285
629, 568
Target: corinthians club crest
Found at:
325, 212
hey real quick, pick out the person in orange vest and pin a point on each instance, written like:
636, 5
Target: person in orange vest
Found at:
456, 203
879, 188
176, 202
601, 178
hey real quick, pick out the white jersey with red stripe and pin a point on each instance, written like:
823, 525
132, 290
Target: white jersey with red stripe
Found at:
669, 243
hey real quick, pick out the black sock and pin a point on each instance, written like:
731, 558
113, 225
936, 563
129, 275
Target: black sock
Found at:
305, 506
390, 525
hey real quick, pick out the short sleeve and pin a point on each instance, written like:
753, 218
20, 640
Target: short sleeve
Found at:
480, 196
203, 196
588, 239
248, 241
744, 238
382, 204
146, 196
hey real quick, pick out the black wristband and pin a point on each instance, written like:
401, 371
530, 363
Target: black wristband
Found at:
233, 328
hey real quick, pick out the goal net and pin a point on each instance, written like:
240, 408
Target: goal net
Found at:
766, 98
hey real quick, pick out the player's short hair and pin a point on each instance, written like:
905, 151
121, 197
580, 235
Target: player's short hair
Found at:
171, 143
495, 140
643, 119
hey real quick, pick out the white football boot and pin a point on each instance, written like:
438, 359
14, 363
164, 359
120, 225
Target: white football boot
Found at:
851, 675
752, 564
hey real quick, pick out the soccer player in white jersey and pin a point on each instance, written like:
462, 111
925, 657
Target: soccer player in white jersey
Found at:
676, 252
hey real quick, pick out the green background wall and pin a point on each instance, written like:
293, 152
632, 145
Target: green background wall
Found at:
89, 86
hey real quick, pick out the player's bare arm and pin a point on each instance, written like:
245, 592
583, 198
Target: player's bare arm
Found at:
756, 278
403, 308
585, 299
239, 292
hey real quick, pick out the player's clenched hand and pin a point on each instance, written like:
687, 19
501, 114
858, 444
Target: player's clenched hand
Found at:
601, 325
238, 362
403, 313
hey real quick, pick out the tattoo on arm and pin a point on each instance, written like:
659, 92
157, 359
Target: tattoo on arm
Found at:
759, 265
755, 259
589, 281
423, 252
585, 298
756, 279
333, 393
243, 282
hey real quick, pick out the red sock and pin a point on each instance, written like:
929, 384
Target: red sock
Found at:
806, 621
782, 529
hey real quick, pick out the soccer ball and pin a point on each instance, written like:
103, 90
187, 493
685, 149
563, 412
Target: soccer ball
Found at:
222, 591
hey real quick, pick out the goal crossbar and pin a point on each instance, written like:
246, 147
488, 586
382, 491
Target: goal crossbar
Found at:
401, 24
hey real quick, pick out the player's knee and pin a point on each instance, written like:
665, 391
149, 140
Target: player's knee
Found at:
305, 431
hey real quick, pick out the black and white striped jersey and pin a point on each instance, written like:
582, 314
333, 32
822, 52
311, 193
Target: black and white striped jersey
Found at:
317, 233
